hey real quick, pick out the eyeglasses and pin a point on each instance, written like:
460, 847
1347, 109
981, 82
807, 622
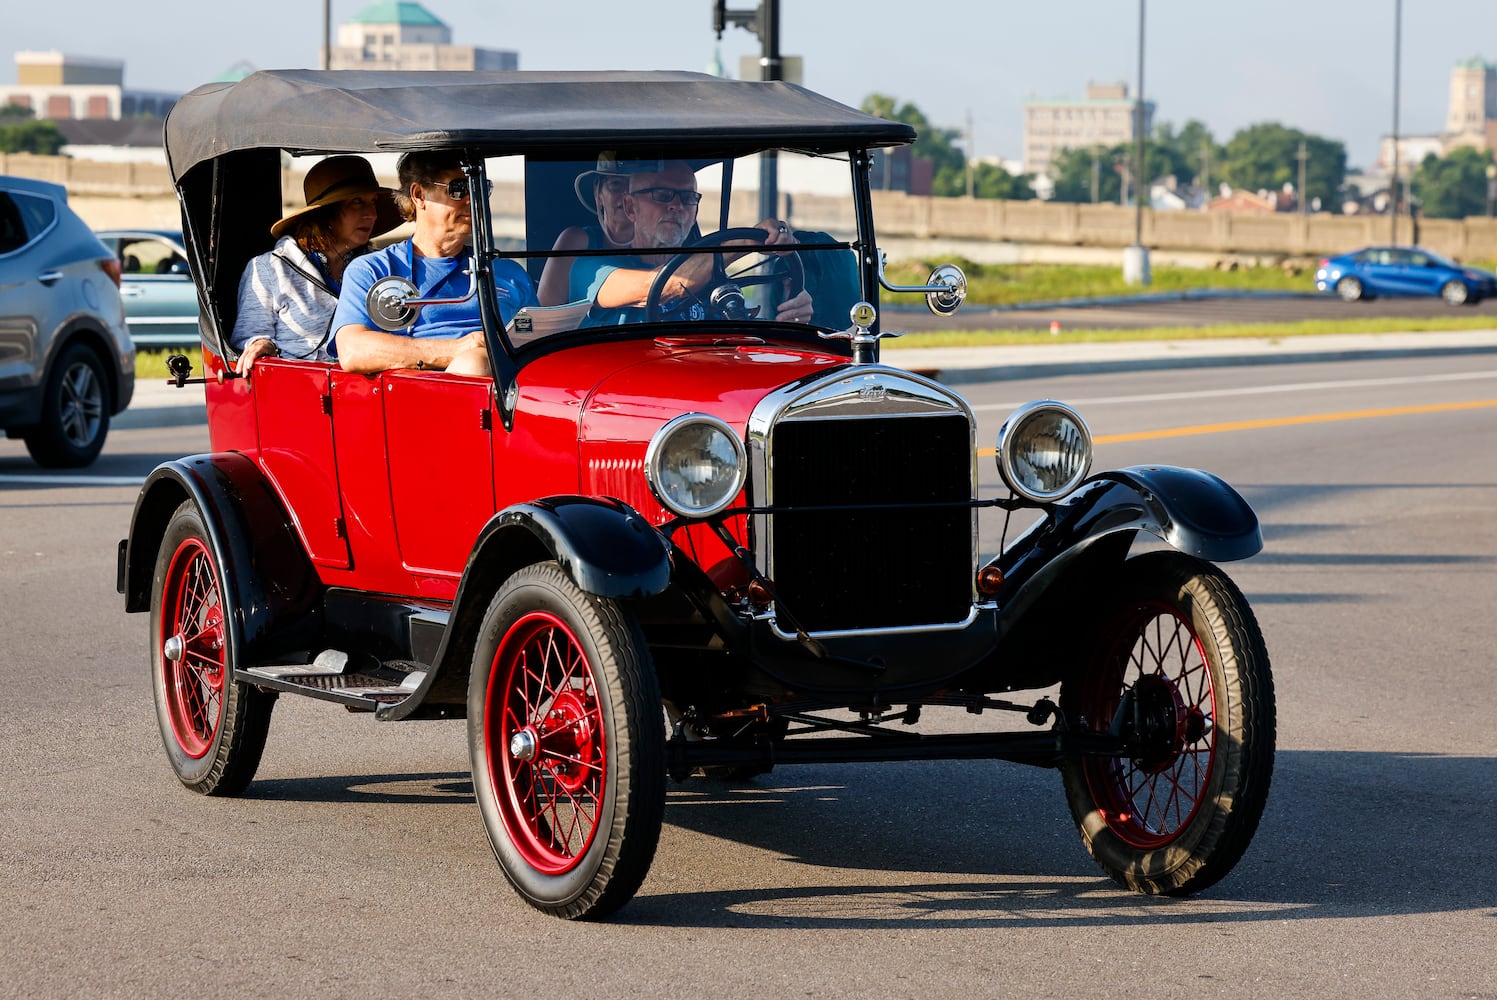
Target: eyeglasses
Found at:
457, 188
665, 195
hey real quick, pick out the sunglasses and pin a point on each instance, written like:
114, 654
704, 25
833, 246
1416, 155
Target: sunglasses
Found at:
665, 195
457, 189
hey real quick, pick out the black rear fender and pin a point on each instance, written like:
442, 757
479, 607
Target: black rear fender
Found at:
270, 586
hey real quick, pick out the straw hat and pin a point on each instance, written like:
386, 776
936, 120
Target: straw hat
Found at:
339, 178
609, 165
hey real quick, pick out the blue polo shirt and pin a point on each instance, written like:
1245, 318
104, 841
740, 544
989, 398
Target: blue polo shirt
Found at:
435, 277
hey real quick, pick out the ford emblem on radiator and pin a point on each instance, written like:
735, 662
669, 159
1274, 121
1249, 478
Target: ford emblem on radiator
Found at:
873, 393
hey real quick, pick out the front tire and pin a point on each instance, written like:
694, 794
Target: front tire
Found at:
75, 412
566, 744
1181, 643
1455, 293
1350, 289
213, 727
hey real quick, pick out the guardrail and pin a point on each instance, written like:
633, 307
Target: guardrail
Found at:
903, 215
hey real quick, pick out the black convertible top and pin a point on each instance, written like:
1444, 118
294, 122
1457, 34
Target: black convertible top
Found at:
545, 113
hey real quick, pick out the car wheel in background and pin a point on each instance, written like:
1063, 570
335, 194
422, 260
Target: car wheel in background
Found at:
1180, 667
1455, 293
1349, 288
75, 412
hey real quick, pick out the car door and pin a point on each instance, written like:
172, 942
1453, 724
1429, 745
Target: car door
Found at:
25, 296
161, 304
414, 454
1424, 276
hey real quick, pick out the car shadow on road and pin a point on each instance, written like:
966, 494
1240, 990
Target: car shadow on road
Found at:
1345, 835
972, 844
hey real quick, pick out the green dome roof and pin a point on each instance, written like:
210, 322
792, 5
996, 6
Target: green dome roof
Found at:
396, 13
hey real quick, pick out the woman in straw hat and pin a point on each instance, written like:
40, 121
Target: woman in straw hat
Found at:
287, 296
604, 192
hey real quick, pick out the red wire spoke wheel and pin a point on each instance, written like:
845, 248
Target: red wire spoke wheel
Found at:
212, 727
194, 648
1147, 800
550, 738
1179, 671
565, 739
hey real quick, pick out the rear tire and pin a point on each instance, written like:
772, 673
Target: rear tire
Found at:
1350, 289
1180, 640
566, 743
75, 412
213, 727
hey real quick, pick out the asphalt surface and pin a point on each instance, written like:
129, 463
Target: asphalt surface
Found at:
1202, 308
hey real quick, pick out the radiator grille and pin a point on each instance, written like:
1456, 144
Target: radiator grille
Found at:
863, 566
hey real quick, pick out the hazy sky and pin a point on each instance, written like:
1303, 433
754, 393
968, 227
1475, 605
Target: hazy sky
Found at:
1326, 68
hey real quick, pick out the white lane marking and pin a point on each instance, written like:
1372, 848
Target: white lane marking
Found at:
32, 480
1255, 390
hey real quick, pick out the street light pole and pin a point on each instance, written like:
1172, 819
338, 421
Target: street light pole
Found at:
327, 33
1491, 186
1302, 156
1393, 188
763, 21
1140, 174
1136, 257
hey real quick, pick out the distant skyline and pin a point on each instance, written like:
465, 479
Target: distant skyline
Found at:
1323, 68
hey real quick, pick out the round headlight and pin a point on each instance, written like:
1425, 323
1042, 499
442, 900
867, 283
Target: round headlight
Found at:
1044, 450
695, 465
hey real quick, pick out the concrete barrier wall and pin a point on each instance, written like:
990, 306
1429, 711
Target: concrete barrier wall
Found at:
114, 195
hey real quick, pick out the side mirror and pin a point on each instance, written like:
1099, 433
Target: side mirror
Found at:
389, 303
947, 290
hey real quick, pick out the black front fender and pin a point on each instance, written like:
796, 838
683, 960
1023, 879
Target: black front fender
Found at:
606, 548
1194, 511
603, 545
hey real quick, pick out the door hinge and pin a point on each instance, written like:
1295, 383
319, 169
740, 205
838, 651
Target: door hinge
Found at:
486, 419
327, 404
340, 530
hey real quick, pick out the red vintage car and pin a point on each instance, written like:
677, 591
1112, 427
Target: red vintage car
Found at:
678, 546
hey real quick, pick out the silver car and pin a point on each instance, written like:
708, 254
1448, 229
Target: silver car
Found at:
67, 364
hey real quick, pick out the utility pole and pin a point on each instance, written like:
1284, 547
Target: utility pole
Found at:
327, 33
971, 155
1096, 174
764, 22
1136, 257
1393, 187
1205, 173
1302, 156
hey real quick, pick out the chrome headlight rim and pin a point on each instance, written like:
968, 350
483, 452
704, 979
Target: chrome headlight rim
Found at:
657, 450
1010, 433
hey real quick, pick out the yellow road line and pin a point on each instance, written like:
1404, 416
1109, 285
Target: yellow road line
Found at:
1314, 418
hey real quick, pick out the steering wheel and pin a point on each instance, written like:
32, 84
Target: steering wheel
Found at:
773, 268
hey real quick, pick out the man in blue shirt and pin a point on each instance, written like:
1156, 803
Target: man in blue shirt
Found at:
663, 207
433, 192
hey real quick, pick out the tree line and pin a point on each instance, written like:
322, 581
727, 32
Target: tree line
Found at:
1262, 157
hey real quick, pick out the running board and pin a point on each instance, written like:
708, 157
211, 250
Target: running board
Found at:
365, 690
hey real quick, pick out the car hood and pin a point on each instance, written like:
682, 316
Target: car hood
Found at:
609, 399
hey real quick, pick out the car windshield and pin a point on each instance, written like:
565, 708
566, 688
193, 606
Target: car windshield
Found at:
595, 235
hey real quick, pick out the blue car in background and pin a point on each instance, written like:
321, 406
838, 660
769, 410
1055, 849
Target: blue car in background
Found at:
161, 302
1378, 271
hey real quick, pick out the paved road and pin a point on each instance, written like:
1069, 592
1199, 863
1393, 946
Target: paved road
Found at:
356, 865
1194, 311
